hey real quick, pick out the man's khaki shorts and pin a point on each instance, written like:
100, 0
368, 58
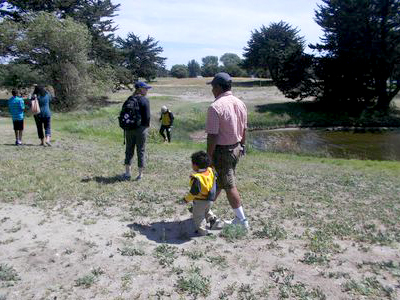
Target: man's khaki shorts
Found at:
225, 160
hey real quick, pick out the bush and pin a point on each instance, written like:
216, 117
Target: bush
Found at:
20, 76
180, 71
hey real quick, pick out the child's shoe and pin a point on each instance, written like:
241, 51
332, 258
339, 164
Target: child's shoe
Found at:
216, 224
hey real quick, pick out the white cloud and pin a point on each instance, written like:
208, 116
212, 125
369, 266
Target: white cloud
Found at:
223, 25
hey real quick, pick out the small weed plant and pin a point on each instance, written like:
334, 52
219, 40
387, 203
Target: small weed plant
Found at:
233, 232
271, 231
194, 284
369, 287
194, 254
165, 254
129, 234
246, 292
88, 280
131, 251
8, 274
219, 261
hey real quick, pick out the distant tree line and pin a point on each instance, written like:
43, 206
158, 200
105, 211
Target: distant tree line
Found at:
231, 64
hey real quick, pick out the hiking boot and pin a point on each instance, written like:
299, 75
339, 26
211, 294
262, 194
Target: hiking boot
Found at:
237, 221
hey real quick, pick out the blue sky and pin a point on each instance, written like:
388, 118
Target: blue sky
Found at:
194, 29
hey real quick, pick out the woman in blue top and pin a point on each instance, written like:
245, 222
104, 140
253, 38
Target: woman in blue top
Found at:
16, 107
43, 118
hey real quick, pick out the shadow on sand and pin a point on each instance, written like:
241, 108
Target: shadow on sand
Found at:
171, 232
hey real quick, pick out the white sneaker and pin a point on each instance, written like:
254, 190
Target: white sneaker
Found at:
237, 221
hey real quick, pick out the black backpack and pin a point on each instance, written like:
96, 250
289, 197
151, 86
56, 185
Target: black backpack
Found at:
130, 117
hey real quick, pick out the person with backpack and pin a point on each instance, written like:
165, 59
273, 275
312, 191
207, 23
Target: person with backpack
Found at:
134, 119
167, 120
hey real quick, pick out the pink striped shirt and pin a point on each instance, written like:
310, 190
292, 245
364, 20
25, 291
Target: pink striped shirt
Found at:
227, 118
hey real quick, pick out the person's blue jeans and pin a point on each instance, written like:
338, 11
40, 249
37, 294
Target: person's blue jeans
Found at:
43, 123
136, 138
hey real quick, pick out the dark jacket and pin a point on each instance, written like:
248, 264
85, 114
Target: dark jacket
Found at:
170, 117
144, 110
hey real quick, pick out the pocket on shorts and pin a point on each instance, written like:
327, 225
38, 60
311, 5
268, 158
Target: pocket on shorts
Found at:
234, 155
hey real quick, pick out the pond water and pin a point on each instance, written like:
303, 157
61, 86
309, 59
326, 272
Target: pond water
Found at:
383, 145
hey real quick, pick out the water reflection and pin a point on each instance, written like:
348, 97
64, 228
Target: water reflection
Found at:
340, 144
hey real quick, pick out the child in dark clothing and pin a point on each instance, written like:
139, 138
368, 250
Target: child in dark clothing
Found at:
167, 120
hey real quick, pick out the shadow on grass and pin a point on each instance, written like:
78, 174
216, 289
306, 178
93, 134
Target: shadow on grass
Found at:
109, 179
105, 180
23, 145
173, 232
317, 114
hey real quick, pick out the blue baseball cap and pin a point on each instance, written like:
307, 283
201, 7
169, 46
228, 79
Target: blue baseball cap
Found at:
141, 84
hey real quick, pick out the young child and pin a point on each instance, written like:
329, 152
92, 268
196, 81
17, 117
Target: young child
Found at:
202, 193
167, 121
16, 107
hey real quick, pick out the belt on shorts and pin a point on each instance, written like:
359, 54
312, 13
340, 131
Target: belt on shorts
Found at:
227, 146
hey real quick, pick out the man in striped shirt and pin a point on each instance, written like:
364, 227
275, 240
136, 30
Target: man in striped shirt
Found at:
226, 135
16, 107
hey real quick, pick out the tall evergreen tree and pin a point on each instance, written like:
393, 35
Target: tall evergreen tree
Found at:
141, 57
362, 42
194, 68
210, 66
279, 50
